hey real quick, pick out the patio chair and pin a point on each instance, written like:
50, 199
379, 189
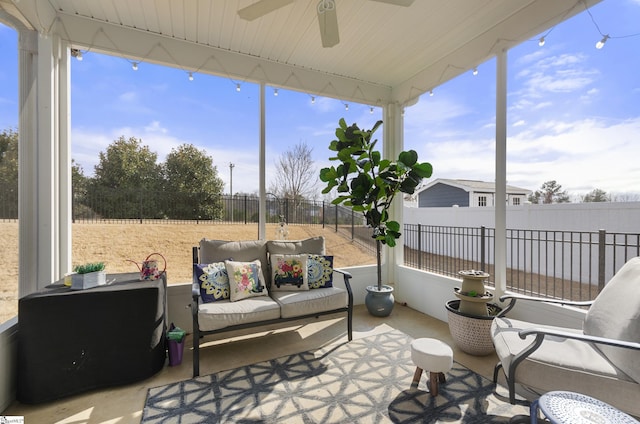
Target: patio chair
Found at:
602, 360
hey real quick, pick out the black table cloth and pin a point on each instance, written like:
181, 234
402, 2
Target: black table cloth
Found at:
71, 341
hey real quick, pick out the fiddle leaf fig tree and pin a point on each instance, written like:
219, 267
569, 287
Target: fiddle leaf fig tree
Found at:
368, 183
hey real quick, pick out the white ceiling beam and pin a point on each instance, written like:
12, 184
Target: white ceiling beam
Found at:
149, 47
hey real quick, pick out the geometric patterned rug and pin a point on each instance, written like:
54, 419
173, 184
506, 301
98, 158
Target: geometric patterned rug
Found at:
364, 381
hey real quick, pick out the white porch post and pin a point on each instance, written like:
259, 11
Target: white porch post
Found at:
262, 207
393, 143
501, 175
44, 164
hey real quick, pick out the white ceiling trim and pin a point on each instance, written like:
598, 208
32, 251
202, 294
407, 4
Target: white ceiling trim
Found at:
143, 46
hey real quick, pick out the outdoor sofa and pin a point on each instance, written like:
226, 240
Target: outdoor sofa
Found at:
243, 284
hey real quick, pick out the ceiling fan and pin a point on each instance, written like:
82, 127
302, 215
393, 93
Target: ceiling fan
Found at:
327, 16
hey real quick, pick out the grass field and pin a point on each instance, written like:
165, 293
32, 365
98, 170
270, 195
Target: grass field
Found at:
114, 244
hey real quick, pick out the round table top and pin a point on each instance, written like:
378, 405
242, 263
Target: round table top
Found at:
570, 407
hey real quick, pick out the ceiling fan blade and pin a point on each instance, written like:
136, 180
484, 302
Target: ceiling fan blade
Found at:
261, 8
328, 21
405, 3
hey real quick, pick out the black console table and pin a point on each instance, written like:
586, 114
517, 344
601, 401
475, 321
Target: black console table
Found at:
71, 341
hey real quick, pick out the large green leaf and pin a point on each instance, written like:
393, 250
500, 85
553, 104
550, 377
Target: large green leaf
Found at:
409, 158
423, 170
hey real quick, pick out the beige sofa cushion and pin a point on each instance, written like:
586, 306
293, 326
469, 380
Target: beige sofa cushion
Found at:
561, 364
224, 313
299, 303
241, 251
313, 245
615, 314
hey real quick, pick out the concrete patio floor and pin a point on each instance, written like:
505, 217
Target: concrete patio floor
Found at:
124, 404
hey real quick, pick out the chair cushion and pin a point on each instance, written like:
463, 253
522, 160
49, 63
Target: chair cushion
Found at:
244, 251
314, 245
561, 364
299, 303
615, 314
224, 313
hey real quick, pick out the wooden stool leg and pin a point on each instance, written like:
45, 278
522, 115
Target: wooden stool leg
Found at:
441, 378
433, 379
416, 378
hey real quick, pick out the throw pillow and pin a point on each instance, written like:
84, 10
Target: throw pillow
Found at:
245, 280
213, 281
320, 271
289, 272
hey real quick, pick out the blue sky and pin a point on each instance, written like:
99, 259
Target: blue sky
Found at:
574, 112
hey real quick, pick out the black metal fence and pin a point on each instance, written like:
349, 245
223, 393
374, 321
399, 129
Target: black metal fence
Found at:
560, 264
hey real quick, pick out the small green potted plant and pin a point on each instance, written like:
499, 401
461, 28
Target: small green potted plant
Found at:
368, 183
88, 275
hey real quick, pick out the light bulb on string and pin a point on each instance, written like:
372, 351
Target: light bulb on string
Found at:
475, 71
313, 100
600, 44
371, 110
431, 93
190, 76
541, 41
238, 87
275, 92
134, 66
346, 106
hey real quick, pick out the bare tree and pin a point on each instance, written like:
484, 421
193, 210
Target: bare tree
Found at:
296, 176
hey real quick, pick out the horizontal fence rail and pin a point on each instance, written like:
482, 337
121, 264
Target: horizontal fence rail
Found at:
571, 265
559, 264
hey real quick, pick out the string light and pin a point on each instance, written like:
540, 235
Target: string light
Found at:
77, 53
190, 76
371, 110
238, 87
275, 92
541, 41
313, 100
431, 93
600, 44
475, 71
134, 66
346, 106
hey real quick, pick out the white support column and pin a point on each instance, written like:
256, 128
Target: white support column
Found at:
65, 217
28, 156
262, 207
500, 276
44, 162
393, 143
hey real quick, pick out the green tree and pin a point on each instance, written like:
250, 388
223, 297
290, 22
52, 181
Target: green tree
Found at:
80, 184
127, 181
550, 192
596, 195
192, 183
9, 174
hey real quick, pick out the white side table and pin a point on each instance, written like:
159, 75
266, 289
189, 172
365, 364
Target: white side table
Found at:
575, 408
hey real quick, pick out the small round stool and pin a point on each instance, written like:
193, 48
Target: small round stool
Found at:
433, 356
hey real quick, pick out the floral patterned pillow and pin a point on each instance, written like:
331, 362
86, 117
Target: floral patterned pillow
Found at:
320, 271
245, 280
213, 281
289, 272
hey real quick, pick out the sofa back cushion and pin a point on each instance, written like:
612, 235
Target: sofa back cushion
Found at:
245, 251
615, 314
313, 245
